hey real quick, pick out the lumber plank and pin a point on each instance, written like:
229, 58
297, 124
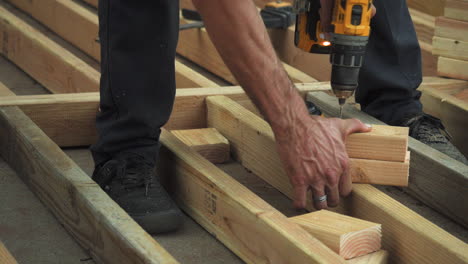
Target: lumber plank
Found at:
452, 68
5, 91
436, 179
431, 7
72, 196
451, 28
79, 26
456, 9
450, 48
452, 111
348, 236
246, 224
53, 66
253, 144
407, 236
379, 257
208, 142
5, 256
69, 119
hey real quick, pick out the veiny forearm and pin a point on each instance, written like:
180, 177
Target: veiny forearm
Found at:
243, 42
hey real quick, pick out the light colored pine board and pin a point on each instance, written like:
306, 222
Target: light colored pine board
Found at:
53, 66
450, 48
452, 111
80, 26
253, 144
5, 256
69, 119
430, 7
379, 257
452, 68
85, 210
246, 224
462, 95
456, 9
208, 142
348, 236
436, 179
451, 28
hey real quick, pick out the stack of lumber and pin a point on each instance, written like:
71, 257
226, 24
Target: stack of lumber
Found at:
450, 40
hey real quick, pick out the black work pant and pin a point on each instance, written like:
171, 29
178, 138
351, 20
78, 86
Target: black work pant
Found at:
138, 41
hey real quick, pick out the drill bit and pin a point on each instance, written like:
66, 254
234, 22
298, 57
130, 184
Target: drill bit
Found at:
341, 102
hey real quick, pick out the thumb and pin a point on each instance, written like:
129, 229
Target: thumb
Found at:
355, 126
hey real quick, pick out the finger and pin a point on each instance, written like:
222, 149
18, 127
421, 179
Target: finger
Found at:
346, 183
374, 10
300, 196
320, 199
333, 196
355, 126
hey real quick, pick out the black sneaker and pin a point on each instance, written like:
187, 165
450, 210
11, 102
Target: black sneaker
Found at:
130, 181
430, 131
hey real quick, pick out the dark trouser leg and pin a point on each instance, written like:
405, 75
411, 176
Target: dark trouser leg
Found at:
138, 42
392, 69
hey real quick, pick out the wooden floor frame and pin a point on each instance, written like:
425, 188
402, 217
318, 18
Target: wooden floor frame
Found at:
33, 128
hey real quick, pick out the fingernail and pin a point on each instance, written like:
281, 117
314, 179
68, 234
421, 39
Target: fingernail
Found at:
368, 125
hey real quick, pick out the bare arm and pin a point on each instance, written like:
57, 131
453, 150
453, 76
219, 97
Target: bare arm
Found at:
311, 148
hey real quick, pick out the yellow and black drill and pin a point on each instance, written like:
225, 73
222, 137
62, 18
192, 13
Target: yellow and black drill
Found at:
347, 46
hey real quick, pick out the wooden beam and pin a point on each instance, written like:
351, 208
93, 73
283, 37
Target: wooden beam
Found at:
207, 142
69, 119
53, 66
450, 48
452, 111
79, 26
379, 257
436, 179
456, 9
5, 256
407, 236
81, 206
451, 28
348, 236
253, 144
5, 91
431, 7
452, 68
246, 224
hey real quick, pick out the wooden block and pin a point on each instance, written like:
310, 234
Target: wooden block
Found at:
451, 28
452, 68
5, 256
456, 9
430, 7
450, 48
208, 142
97, 223
379, 257
253, 144
348, 236
382, 143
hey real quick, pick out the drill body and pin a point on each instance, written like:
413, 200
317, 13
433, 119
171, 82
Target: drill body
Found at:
347, 46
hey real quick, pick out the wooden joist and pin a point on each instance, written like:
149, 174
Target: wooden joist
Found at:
5, 256
69, 119
430, 7
452, 68
79, 26
348, 236
72, 196
208, 142
53, 66
456, 9
246, 224
436, 179
408, 237
253, 144
450, 48
451, 28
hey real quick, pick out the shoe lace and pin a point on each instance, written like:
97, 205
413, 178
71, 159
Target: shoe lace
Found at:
134, 172
429, 128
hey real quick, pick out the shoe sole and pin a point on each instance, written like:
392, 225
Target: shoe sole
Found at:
160, 222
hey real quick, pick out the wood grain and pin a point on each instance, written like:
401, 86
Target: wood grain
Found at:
92, 218
5, 256
451, 28
456, 9
208, 142
379, 257
452, 68
450, 48
348, 236
242, 221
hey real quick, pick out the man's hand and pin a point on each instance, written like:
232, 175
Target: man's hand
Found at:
315, 158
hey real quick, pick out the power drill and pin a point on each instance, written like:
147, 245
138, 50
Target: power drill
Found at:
347, 46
